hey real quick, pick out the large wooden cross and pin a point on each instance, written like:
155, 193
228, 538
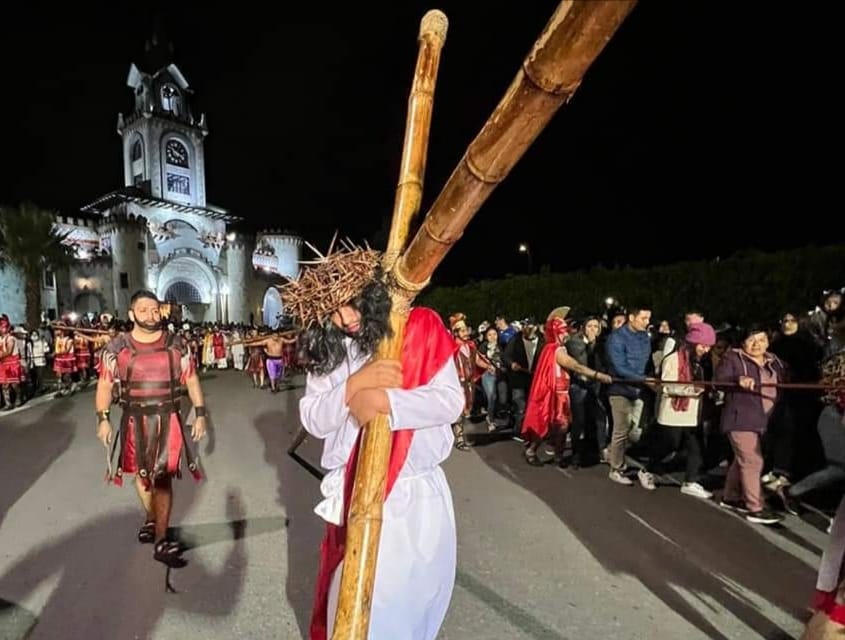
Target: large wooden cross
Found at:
550, 74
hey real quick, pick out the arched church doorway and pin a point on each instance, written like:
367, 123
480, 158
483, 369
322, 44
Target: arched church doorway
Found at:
272, 308
88, 302
188, 298
189, 283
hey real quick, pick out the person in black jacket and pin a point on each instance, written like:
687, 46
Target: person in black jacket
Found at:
519, 358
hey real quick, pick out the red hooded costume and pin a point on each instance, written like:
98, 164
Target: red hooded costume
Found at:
548, 401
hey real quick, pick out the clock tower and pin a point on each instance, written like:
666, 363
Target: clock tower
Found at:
162, 140
158, 231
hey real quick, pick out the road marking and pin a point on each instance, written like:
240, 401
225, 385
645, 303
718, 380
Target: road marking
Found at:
652, 529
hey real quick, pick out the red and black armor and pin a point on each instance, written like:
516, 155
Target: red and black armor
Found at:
11, 370
219, 345
64, 361
465, 360
82, 353
255, 364
152, 432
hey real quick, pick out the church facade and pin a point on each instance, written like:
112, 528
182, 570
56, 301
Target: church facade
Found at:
159, 232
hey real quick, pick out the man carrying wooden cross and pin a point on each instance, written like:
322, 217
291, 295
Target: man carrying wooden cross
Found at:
345, 305
391, 522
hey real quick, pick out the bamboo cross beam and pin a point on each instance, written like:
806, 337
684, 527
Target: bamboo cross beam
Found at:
575, 35
433, 28
259, 339
352, 618
64, 327
551, 73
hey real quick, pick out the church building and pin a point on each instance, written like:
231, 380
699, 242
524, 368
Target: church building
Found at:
158, 230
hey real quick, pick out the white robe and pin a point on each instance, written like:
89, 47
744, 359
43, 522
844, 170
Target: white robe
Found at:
415, 571
237, 352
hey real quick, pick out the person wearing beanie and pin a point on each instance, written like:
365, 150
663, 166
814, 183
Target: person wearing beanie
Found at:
679, 410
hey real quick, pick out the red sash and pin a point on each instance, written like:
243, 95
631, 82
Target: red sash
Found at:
426, 348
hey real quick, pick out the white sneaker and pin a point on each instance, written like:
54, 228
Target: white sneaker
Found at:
617, 476
769, 477
696, 490
646, 479
779, 482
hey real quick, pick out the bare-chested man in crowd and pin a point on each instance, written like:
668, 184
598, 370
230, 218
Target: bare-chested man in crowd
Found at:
274, 350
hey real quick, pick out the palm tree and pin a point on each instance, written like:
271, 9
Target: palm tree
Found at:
29, 244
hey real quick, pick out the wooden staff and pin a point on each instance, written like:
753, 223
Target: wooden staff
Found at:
433, 28
573, 38
64, 327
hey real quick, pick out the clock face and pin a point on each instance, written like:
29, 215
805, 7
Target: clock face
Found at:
176, 154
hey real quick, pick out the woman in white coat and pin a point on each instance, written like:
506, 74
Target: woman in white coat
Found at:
679, 410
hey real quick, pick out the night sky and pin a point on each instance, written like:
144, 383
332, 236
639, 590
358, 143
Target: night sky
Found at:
697, 124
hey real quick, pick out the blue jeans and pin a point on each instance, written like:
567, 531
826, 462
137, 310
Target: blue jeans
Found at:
588, 419
519, 398
488, 383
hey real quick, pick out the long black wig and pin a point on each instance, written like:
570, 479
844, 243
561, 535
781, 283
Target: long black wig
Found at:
320, 347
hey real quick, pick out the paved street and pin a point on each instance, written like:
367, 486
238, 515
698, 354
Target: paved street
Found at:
543, 553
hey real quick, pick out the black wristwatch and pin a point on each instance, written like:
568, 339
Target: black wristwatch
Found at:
102, 415
201, 412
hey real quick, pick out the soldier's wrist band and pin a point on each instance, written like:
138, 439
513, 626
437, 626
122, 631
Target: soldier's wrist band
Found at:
103, 415
201, 412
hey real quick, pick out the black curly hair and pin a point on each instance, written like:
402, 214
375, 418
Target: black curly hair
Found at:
320, 347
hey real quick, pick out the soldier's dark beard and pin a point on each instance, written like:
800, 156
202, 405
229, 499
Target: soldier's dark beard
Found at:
149, 326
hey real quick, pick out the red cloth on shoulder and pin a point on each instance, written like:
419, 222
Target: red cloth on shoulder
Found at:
548, 400
426, 348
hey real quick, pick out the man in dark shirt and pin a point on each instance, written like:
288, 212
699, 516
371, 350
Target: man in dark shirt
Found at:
588, 416
519, 357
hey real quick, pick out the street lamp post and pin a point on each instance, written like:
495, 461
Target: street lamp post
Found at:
524, 248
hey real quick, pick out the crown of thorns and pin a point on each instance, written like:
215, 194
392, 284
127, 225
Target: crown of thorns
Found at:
330, 282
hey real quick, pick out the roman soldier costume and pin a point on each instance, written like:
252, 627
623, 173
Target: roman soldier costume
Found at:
219, 345
255, 364
82, 355
152, 433
64, 361
101, 340
465, 359
10, 365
